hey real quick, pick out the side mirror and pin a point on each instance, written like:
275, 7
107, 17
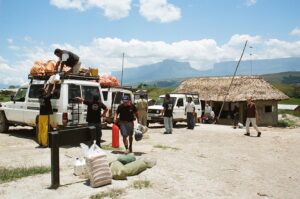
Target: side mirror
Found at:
12, 98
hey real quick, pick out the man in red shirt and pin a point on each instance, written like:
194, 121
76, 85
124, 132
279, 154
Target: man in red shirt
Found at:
252, 116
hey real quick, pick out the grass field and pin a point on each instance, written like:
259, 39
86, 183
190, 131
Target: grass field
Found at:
295, 101
154, 93
11, 174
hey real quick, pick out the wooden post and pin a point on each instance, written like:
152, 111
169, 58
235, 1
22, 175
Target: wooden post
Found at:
63, 138
54, 143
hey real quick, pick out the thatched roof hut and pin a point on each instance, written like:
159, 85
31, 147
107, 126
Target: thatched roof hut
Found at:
215, 88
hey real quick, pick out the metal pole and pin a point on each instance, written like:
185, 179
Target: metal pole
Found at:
227, 93
251, 57
122, 69
54, 139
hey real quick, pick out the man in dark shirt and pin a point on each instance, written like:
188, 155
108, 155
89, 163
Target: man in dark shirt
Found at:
45, 116
94, 115
252, 116
69, 59
127, 111
168, 114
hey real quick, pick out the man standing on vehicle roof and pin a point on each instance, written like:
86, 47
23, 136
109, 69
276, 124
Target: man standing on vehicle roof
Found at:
69, 59
168, 114
45, 116
94, 115
190, 113
142, 108
127, 111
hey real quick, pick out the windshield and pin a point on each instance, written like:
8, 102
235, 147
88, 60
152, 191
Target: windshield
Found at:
20, 95
160, 100
34, 91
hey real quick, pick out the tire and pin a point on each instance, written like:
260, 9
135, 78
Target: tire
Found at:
174, 124
3, 123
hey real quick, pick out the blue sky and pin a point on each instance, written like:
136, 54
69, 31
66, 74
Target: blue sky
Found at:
201, 32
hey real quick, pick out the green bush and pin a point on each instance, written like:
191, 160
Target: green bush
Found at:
286, 123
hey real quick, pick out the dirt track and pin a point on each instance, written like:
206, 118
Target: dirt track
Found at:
212, 161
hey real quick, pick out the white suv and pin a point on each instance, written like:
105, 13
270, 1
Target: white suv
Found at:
23, 109
179, 101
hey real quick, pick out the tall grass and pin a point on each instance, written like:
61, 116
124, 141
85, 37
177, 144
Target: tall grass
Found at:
113, 193
11, 174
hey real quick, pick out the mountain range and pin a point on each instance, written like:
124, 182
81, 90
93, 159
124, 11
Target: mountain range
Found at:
170, 69
163, 73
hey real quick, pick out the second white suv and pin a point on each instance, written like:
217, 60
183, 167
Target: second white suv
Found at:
179, 100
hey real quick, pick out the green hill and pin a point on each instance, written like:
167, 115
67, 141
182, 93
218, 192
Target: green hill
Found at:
285, 77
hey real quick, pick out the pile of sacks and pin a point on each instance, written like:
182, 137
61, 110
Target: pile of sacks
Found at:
108, 81
128, 165
97, 166
41, 68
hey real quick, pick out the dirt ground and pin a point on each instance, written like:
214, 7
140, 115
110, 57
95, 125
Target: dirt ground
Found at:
212, 161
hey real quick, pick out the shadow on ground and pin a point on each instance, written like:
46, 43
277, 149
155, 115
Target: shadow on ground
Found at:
22, 132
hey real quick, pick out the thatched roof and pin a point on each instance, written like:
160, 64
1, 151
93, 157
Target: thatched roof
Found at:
215, 88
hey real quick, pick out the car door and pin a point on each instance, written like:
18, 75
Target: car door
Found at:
197, 103
76, 111
178, 111
88, 93
16, 108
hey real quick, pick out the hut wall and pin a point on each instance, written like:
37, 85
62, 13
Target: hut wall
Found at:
267, 112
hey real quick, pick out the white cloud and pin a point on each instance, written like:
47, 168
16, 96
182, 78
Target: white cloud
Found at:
295, 31
241, 39
159, 10
9, 75
106, 53
251, 2
112, 9
10, 41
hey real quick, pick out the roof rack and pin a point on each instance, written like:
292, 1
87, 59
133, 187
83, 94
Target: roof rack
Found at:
121, 87
186, 93
76, 77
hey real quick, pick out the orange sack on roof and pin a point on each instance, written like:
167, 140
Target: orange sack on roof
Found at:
108, 81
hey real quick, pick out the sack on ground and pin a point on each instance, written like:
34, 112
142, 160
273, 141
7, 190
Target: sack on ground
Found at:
118, 170
98, 170
138, 135
150, 162
97, 165
136, 167
142, 128
125, 159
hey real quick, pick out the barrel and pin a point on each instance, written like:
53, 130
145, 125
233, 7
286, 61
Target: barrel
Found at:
115, 136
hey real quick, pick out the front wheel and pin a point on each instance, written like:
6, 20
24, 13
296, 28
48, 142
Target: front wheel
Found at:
3, 123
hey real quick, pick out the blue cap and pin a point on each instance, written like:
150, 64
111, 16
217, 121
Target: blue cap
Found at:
125, 98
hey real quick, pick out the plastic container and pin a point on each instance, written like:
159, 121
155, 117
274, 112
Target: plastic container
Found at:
79, 167
94, 72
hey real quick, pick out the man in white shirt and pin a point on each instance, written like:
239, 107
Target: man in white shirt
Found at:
67, 58
190, 113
